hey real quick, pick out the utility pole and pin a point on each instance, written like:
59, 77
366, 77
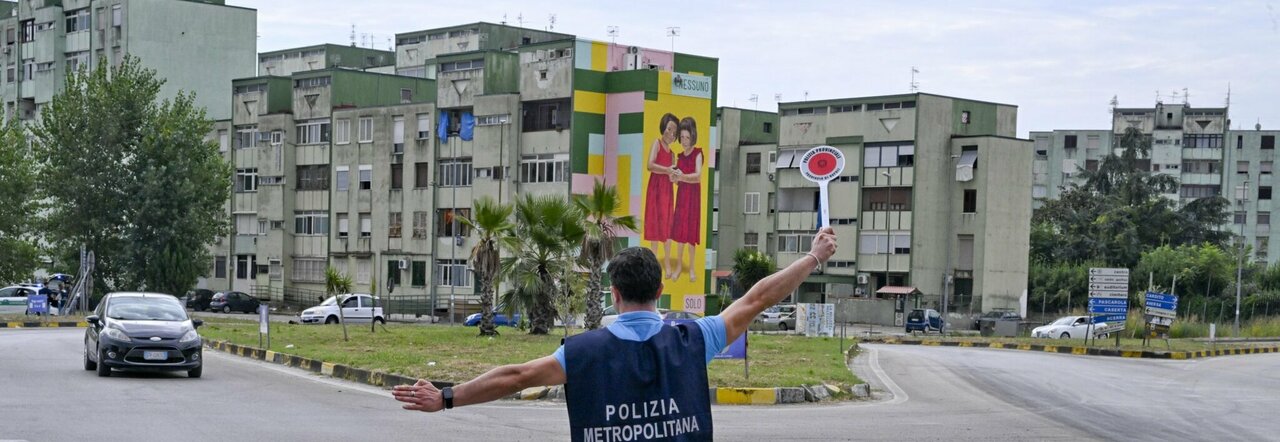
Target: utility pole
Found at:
1240, 255
887, 237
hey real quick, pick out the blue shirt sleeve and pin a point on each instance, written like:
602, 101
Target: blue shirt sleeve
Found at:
559, 354
712, 335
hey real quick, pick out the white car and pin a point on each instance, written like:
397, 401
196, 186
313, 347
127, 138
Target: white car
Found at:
1067, 327
13, 299
778, 311
356, 308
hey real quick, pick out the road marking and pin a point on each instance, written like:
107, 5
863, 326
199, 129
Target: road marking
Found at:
899, 396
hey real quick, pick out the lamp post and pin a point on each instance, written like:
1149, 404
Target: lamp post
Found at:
1240, 254
887, 237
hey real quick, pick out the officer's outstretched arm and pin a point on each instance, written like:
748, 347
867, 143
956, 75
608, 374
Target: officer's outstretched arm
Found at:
775, 287
493, 385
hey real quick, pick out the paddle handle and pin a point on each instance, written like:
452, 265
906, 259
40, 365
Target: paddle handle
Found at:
824, 205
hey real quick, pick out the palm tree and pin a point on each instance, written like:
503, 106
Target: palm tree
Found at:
546, 233
491, 225
749, 267
336, 284
600, 209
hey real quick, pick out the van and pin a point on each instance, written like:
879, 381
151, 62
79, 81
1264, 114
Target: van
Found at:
924, 319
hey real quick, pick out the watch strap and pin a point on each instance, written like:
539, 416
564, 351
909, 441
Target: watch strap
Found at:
447, 394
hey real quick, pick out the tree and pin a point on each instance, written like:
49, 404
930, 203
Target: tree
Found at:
749, 267
546, 233
18, 260
600, 211
131, 177
491, 225
336, 284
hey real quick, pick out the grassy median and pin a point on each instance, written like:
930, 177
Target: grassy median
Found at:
457, 354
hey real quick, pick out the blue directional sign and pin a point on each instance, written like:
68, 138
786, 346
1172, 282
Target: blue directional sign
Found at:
1110, 319
1111, 302
38, 304
1161, 297
1108, 309
1162, 305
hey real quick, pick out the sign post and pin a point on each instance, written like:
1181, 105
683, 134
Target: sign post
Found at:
264, 325
1108, 300
821, 165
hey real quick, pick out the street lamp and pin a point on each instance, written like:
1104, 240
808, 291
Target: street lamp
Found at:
888, 238
1240, 254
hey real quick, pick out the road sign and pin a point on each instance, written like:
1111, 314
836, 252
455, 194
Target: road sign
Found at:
1161, 297
1108, 294
1111, 318
1108, 279
1108, 309
1108, 272
1109, 328
1161, 305
1109, 302
1163, 313
1109, 287
38, 304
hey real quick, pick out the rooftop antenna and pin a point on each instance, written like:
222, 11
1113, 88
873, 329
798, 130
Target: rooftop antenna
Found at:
364, 40
551, 26
504, 19
1186, 97
755, 99
1174, 96
1158, 100
520, 19
915, 85
390, 44
1115, 102
613, 34
1228, 102
777, 98
673, 32
806, 95
353, 35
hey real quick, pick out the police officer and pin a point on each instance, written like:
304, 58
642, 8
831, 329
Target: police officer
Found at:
636, 379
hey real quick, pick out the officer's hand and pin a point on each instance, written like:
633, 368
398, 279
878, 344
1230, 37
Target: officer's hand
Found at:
421, 396
824, 244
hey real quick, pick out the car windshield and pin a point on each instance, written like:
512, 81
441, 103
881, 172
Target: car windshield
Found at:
138, 308
1065, 321
331, 301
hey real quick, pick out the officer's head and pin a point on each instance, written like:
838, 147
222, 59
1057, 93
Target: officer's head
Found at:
636, 276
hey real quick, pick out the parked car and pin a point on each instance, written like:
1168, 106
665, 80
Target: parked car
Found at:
199, 299
13, 299
357, 307
1066, 327
680, 316
233, 301
783, 322
779, 311
498, 319
996, 315
611, 315
924, 319
142, 331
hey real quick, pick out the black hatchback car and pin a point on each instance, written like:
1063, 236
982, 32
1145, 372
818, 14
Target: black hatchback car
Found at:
233, 302
199, 299
142, 331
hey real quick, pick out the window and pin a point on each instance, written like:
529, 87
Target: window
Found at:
1094, 141
366, 225
224, 140
1242, 167
314, 177
1069, 142
455, 172
245, 267
343, 225
964, 251
117, 18
873, 243
1091, 165
1262, 243
751, 240
1201, 191
887, 198
246, 136
888, 155
452, 272
1201, 166
343, 178
418, 275
424, 126
768, 127
406, 96
420, 222
1268, 142
1240, 217
1202, 141
751, 203
313, 132
461, 65
901, 243
846, 108
795, 242
393, 225
447, 223
546, 115
971, 201
342, 131
311, 270
246, 224
28, 30
366, 130
753, 162
1264, 218
219, 267
247, 180
311, 82
493, 120
311, 223
397, 176
1239, 141
78, 20
1039, 191
366, 176
397, 134
1265, 168
544, 169
421, 175
1264, 193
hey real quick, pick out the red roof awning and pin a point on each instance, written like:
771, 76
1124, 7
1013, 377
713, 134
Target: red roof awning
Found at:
897, 290
721, 273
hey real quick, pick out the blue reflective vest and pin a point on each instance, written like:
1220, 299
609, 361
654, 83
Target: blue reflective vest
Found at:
621, 390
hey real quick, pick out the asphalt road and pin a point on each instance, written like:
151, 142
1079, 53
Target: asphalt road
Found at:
928, 394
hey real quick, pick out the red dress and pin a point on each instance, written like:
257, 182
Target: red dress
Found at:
657, 200
688, 215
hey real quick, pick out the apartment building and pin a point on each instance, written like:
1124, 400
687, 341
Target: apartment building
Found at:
929, 202
195, 46
286, 62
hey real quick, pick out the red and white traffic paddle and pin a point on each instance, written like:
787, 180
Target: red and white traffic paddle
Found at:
821, 165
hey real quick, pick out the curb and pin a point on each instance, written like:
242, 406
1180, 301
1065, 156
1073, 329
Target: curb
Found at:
1090, 351
37, 324
723, 396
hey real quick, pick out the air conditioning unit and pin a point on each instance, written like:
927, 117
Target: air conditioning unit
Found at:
633, 50
771, 177
404, 264
862, 278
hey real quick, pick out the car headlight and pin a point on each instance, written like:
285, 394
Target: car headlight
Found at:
308, 312
189, 337
115, 333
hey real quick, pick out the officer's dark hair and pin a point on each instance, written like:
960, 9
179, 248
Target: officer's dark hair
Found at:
668, 118
636, 274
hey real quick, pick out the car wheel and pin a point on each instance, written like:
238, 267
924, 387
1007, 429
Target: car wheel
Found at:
195, 372
380, 320
1065, 335
226, 309
89, 365
782, 326
103, 369
331, 320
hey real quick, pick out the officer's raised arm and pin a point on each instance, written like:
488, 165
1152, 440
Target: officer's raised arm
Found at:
775, 287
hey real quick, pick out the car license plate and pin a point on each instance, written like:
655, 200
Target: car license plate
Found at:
155, 355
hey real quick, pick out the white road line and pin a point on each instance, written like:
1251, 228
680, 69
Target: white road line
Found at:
899, 396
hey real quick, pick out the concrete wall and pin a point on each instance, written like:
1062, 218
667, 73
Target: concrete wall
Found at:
1000, 225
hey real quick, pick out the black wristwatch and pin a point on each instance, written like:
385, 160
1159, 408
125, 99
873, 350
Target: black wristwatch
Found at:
447, 394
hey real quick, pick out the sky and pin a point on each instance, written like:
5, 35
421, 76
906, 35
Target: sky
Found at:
1061, 63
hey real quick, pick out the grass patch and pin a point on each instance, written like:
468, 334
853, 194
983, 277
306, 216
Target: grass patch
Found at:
458, 354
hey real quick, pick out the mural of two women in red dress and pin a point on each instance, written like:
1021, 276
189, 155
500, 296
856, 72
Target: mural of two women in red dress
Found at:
673, 199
